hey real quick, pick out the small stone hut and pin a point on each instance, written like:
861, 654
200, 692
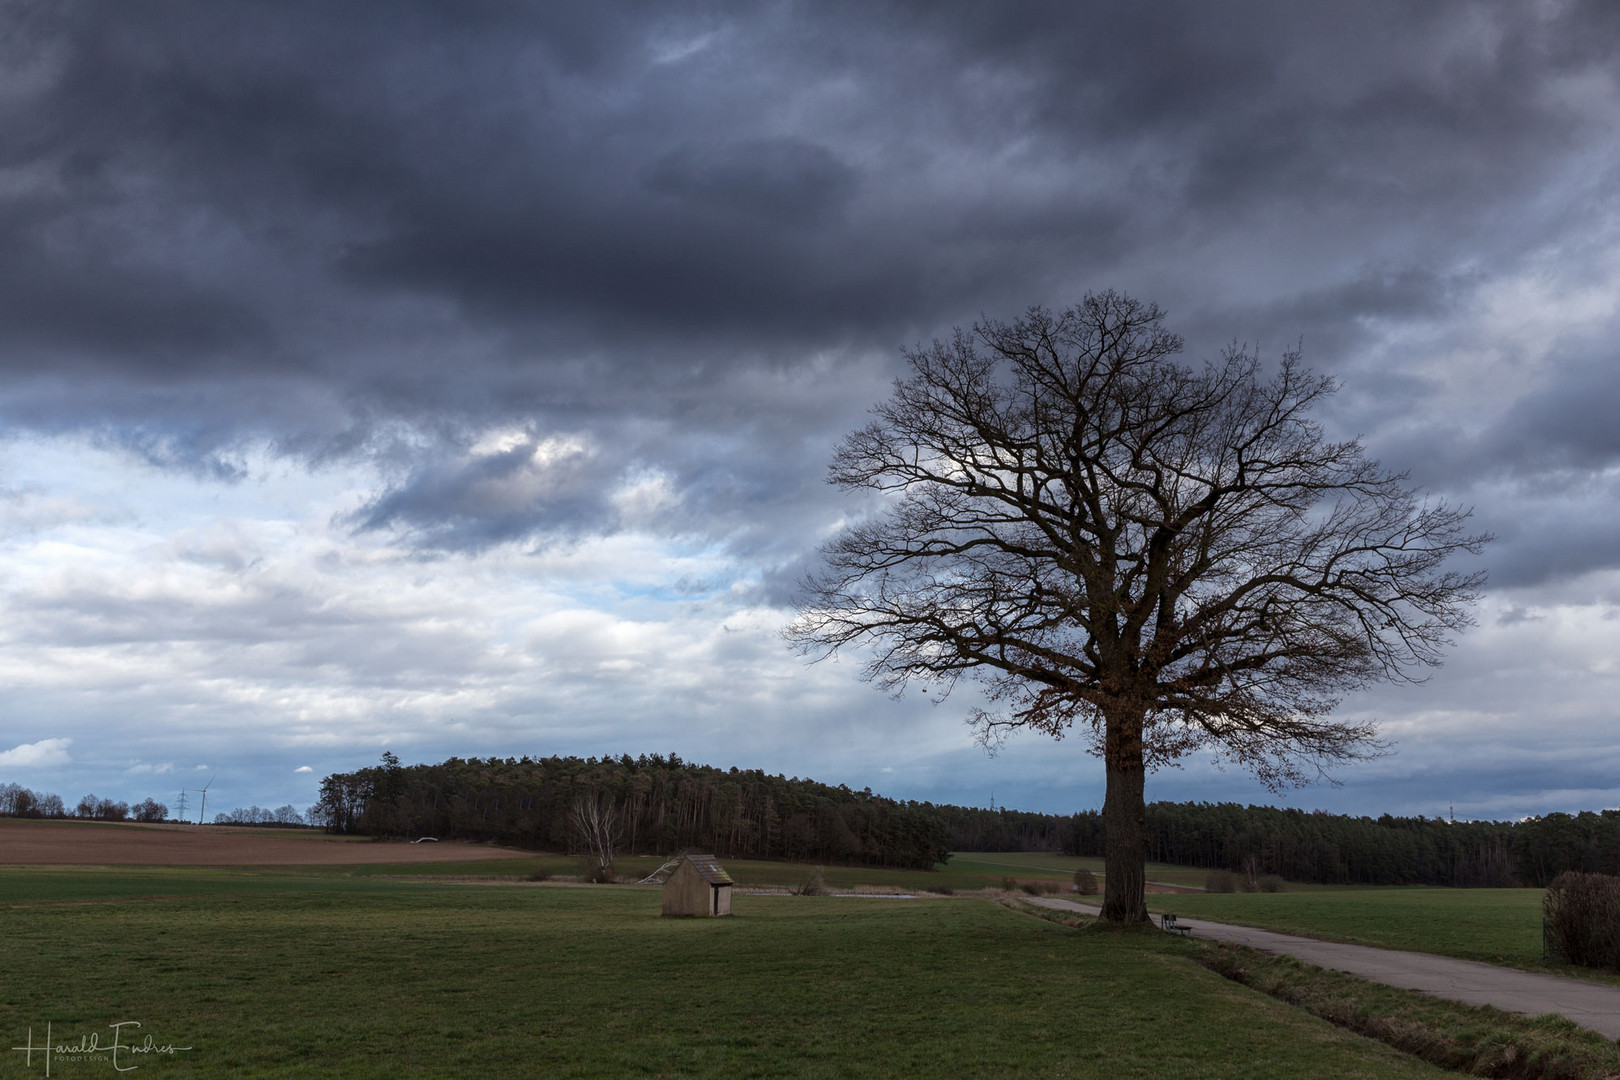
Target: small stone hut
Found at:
699, 887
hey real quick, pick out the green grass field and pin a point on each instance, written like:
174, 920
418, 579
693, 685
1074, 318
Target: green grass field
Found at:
965, 871
280, 974
1497, 926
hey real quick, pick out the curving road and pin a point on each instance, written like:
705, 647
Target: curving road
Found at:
1591, 1005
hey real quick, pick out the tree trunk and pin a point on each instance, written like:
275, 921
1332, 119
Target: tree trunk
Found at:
1124, 823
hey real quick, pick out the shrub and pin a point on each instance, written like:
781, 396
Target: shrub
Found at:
1581, 913
599, 875
1085, 882
1220, 881
538, 875
1037, 888
1272, 883
942, 890
1250, 881
814, 884
1009, 884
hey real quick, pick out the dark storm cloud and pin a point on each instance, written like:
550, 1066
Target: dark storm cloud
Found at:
1570, 424
598, 223
56, 317
782, 182
1540, 472
757, 488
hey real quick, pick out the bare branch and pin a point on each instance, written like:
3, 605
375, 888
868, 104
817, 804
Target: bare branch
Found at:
1172, 558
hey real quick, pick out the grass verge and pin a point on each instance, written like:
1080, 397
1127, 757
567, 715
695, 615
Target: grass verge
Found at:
1479, 1041
1476, 1040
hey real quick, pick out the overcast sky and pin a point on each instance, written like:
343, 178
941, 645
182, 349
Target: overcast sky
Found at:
460, 379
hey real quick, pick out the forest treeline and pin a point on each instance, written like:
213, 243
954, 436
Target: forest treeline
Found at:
1313, 846
663, 804
658, 805
18, 801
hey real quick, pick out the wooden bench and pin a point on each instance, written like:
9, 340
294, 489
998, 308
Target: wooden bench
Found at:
1168, 923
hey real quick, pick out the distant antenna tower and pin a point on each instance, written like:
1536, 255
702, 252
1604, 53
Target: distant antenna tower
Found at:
181, 813
203, 809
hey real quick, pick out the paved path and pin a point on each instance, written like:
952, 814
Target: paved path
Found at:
1591, 1005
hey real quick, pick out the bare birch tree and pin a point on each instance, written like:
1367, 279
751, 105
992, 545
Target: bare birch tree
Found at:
1172, 559
595, 824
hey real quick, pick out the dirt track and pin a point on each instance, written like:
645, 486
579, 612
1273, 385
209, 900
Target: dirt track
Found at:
34, 843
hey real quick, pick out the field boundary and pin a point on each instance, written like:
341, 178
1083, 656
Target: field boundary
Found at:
39, 843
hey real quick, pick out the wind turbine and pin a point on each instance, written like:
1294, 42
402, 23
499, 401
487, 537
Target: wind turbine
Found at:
201, 810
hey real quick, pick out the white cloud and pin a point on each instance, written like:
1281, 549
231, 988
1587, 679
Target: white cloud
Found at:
303, 768
643, 496
46, 752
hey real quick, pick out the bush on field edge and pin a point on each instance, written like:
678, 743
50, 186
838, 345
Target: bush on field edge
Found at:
1226, 881
1085, 882
1582, 915
814, 884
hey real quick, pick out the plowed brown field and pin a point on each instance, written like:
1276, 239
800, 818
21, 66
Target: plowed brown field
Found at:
26, 843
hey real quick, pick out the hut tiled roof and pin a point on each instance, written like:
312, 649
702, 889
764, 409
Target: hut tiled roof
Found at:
709, 867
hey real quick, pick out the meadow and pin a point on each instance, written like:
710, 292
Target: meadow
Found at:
1496, 926
453, 960
966, 871
270, 973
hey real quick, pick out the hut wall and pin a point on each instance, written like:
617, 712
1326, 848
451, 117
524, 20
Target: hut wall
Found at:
686, 893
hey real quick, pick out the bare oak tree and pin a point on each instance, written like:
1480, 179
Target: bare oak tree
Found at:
1173, 559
